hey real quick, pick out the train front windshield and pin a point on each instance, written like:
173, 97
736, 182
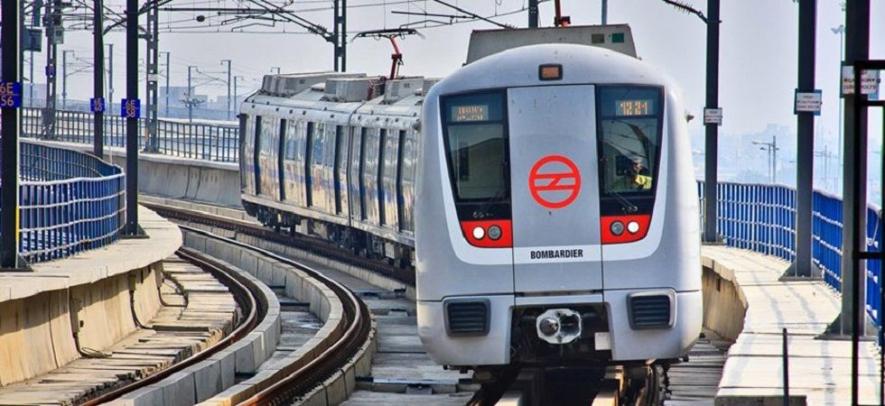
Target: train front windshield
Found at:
629, 125
476, 151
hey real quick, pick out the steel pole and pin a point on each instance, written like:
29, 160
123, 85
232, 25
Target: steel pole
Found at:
803, 265
64, 79
604, 12
31, 81
51, 62
235, 90
841, 103
111, 78
98, 77
131, 122
168, 74
854, 188
336, 34
229, 104
344, 35
10, 35
152, 59
533, 13
190, 96
711, 136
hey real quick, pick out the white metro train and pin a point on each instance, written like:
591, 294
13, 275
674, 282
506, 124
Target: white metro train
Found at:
558, 219
543, 193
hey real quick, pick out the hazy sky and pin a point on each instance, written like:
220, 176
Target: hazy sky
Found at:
757, 59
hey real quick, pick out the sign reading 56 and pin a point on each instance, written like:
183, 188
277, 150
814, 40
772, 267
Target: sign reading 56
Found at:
130, 108
10, 95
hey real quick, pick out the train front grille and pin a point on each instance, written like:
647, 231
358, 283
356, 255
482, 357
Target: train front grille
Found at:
649, 311
466, 318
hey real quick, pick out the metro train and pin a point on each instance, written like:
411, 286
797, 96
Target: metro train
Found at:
543, 193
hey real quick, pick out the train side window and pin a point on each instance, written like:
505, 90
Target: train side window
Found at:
307, 161
399, 177
363, 135
629, 121
340, 144
254, 151
475, 135
281, 150
245, 143
379, 184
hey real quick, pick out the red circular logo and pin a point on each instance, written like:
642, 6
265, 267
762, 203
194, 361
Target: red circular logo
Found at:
555, 181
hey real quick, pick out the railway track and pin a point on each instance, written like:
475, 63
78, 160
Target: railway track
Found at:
203, 308
525, 387
296, 379
247, 297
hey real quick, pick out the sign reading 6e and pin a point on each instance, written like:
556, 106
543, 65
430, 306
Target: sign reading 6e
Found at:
130, 108
10, 95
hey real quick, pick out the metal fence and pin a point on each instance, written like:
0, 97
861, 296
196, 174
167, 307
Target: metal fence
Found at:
761, 218
195, 140
69, 202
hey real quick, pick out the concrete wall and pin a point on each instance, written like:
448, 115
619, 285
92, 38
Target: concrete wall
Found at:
37, 332
724, 303
178, 178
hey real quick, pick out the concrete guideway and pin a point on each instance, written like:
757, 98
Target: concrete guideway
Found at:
196, 312
820, 370
89, 291
396, 369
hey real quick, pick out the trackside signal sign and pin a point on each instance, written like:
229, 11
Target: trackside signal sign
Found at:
554, 181
130, 108
10, 95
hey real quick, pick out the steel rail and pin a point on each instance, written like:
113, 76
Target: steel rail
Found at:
315, 245
245, 294
299, 378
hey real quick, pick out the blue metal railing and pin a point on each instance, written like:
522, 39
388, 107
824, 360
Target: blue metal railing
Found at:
761, 218
68, 202
198, 140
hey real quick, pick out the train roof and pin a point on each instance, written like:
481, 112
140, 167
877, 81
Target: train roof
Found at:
615, 37
581, 64
344, 91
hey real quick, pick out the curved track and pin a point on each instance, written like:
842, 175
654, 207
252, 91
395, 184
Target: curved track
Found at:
246, 295
309, 372
609, 388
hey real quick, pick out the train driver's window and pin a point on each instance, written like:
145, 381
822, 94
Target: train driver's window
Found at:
476, 146
629, 120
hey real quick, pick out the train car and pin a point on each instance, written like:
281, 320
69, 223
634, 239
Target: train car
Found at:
558, 221
334, 156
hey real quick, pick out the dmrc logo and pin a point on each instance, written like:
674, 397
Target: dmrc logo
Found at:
555, 181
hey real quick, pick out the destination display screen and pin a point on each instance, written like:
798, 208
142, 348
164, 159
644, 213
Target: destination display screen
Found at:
465, 113
473, 108
634, 107
622, 101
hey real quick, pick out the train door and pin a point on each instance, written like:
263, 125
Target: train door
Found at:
555, 203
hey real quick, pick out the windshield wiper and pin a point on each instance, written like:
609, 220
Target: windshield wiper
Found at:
626, 205
480, 212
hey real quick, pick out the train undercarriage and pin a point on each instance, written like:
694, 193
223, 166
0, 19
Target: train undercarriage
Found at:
356, 241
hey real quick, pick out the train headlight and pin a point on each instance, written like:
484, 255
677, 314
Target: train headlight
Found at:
479, 233
494, 232
633, 227
617, 228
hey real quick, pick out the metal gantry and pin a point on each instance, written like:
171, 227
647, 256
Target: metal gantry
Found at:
130, 107
98, 103
152, 56
803, 265
10, 126
53, 24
